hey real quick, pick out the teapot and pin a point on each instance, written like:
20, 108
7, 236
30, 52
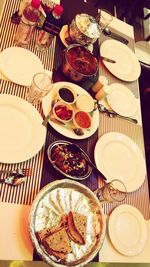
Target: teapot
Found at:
84, 29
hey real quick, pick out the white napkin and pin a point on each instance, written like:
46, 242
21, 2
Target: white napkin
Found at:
15, 243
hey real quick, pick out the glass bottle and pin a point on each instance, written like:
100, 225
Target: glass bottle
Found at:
51, 27
29, 20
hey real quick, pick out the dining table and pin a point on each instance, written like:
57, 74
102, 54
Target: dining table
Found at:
16, 202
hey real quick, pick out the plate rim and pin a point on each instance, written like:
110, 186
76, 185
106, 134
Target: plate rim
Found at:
40, 129
109, 66
130, 185
113, 87
11, 76
111, 222
44, 190
68, 132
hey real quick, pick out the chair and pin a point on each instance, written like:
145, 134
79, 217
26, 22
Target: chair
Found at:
135, 8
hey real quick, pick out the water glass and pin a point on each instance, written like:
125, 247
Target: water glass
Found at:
114, 191
104, 19
40, 87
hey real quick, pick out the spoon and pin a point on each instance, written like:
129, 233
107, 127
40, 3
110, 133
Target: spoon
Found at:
76, 149
112, 114
115, 36
13, 180
45, 121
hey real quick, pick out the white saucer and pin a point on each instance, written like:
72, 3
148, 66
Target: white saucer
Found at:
127, 230
122, 100
19, 65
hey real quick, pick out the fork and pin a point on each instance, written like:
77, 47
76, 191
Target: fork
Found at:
13, 180
23, 172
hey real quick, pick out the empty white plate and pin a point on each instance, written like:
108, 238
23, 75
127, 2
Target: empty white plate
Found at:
127, 230
122, 100
19, 65
22, 134
127, 66
118, 157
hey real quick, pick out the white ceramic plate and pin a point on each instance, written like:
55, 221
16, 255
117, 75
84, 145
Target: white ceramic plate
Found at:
46, 104
127, 230
22, 134
19, 65
127, 66
118, 157
122, 100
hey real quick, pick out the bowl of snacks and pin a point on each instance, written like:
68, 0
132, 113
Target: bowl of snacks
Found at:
67, 224
63, 112
67, 162
82, 119
79, 63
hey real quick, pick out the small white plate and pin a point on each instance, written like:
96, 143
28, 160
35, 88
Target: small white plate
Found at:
22, 134
122, 100
127, 230
19, 65
127, 66
46, 104
118, 157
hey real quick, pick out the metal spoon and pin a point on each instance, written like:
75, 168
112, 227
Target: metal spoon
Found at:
76, 149
112, 113
13, 180
115, 36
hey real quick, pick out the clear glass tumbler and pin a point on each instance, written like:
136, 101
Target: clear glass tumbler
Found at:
40, 87
104, 19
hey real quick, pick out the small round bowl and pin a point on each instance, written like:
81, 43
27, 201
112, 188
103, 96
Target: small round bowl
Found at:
82, 119
66, 94
50, 150
63, 112
85, 102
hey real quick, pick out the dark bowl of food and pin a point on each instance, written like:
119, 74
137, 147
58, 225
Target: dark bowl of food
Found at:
70, 164
79, 63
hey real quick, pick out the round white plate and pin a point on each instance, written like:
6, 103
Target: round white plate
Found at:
19, 65
127, 230
122, 100
46, 104
118, 157
142, 51
127, 66
22, 134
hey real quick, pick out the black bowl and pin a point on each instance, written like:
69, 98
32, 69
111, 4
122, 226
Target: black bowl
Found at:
83, 176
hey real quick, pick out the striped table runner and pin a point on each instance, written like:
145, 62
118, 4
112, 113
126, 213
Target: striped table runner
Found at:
25, 193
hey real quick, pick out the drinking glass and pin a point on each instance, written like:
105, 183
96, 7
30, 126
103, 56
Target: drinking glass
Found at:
104, 19
114, 191
40, 87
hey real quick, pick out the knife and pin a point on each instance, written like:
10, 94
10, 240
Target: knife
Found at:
108, 59
115, 36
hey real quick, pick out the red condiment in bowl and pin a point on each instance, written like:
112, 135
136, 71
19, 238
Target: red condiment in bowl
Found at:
63, 112
82, 119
